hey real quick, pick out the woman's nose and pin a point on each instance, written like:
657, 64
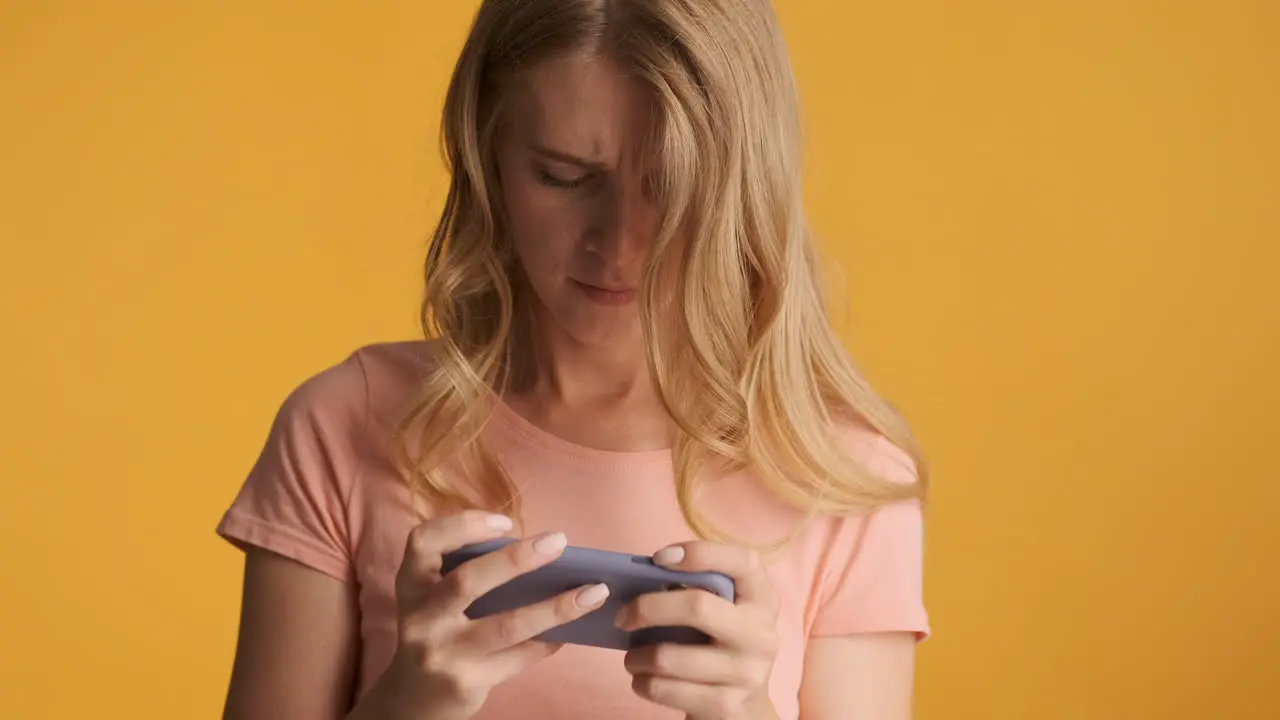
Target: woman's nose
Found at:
628, 224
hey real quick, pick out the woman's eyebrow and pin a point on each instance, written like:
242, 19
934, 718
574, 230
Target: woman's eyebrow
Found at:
565, 157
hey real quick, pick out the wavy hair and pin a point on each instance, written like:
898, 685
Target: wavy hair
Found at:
739, 342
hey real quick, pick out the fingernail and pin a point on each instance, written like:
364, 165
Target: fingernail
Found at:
550, 544
669, 555
592, 596
499, 522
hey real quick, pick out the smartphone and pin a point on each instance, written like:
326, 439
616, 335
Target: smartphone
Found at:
628, 577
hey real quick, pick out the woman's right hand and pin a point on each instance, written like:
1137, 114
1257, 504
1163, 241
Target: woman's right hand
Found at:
445, 664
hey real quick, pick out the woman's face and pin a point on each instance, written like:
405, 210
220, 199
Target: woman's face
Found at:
572, 166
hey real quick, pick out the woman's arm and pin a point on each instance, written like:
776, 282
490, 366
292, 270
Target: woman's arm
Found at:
867, 676
298, 644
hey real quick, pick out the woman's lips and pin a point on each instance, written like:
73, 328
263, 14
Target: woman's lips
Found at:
604, 295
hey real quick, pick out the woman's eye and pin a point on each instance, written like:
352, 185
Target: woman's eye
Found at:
547, 178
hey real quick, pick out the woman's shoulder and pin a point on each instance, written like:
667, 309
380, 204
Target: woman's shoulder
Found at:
875, 452
392, 366
373, 378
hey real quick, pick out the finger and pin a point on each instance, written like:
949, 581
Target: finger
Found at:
695, 699
706, 664
471, 580
514, 627
722, 620
510, 662
743, 565
430, 540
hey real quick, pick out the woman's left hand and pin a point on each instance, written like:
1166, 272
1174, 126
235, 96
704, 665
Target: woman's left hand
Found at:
727, 679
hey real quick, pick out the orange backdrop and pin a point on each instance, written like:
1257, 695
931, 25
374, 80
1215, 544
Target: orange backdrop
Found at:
1059, 223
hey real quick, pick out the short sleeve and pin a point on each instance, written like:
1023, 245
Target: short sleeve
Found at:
294, 501
873, 577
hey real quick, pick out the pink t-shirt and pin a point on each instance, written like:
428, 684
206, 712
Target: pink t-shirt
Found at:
325, 493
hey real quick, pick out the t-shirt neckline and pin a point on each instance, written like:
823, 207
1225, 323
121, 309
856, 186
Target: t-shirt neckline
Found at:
525, 432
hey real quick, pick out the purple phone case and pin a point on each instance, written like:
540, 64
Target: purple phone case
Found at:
628, 576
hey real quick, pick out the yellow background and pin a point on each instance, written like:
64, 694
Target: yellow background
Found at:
1060, 227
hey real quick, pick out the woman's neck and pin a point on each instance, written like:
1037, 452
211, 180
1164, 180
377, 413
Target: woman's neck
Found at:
598, 397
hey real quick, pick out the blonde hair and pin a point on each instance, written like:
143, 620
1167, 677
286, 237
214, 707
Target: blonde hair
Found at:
738, 340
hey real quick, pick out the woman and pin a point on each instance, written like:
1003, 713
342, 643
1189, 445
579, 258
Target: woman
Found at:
629, 352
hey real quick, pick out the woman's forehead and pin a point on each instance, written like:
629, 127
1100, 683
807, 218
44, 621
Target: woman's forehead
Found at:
582, 105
